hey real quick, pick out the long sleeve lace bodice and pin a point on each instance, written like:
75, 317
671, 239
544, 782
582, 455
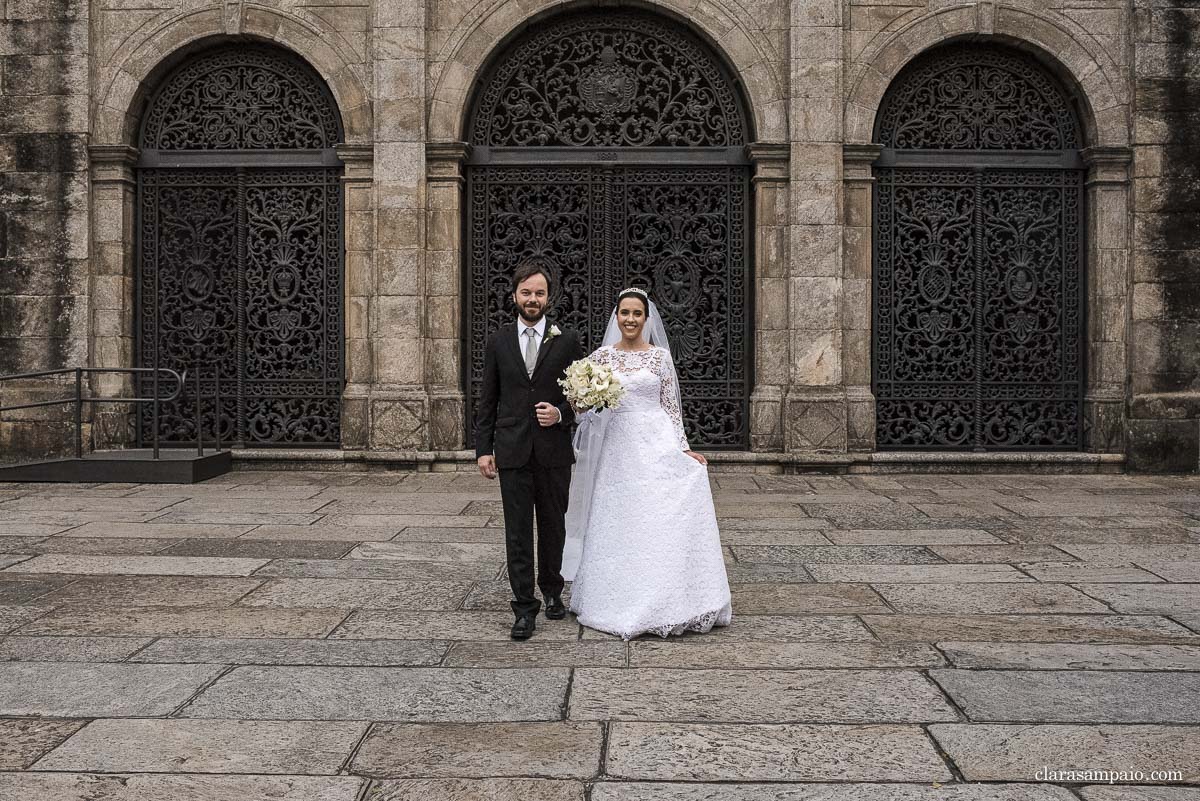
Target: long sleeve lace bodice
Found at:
649, 379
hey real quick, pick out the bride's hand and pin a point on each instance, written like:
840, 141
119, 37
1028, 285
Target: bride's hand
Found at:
697, 457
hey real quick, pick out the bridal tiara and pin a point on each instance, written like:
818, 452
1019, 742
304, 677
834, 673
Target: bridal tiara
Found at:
635, 290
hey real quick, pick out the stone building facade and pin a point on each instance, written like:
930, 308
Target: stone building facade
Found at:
810, 333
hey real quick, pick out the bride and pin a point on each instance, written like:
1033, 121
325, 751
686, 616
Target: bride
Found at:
642, 545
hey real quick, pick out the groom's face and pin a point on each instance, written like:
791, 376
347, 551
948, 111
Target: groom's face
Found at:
531, 297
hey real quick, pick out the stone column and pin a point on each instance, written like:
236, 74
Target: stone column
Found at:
1108, 282
857, 207
113, 286
443, 354
771, 328
359, 284
399, 401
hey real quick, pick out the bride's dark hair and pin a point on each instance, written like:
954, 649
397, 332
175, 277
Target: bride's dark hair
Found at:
635, 293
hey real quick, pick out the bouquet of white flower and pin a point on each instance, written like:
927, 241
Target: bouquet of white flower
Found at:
591, 387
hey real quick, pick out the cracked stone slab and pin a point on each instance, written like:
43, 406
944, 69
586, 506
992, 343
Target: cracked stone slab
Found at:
1074, 572
475, 790
378, 569
23, 741
1032, 628
1163, 599
407, 625
1174, 571
782, 655
999, 554
916, 536
758, 696
70, 649
18, 589
558, 750
431, 551
776, 628
253, 651
207, 746
1073, 696
10, 559
187, 622
168, 787
360, 594
1018, 753
657, 791
66, 690
13, 618
984, 599
918, 574
809, 598
836, 554
766, 573
764, 752
107, 591
142, 565
1180, 552
594, 653
1070, 656
417, 695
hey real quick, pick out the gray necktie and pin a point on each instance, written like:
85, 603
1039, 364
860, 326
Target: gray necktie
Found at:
530, 351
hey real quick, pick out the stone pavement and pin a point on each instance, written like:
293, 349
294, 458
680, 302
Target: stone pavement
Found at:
340, 636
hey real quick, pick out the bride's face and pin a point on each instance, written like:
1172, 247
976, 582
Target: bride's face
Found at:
631, 317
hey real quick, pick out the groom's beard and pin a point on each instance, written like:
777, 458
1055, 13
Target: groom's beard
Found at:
531, 315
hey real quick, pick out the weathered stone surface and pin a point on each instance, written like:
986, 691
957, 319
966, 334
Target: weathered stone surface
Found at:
378, 569
159, 530
248, 517
78, 690
1164, 599
323, 532
778, 628
478, 534
207, 746
497, 595
782, 655
107, 591
20, 589
360, 594
431, 551
919, 574
85, 503
251, 651
409, 504
70, 649
14, 617
435, 695
948, 536
1018, 753
475, 790
773, 599
189, 622
792, 752
1071, 572
537, 654
1138, 554
408, 625
1013, 554
10, 559
737, 536
1133, 793
765, 696
141, 565
1073, 696
766, 572
259, 549
405, 521
23, 741
1016, 628
92, 787
839, 554
778, 791
1069, 656
559, 750
99, 545
983, 599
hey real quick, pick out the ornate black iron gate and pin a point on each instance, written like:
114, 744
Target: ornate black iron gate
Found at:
240, 247
612, 147
978, 275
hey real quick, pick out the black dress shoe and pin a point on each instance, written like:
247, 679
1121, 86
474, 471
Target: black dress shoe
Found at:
554, 608
523, 628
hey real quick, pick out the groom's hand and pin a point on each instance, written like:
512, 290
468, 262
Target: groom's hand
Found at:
547, 414
487, 466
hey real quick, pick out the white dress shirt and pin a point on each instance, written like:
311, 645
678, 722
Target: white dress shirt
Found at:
539, 334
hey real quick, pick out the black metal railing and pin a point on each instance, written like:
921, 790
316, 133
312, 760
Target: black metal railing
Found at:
156, 375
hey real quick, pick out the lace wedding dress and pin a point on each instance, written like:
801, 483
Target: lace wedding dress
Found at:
651, 559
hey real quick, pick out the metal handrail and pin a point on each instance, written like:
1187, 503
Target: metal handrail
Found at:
79, 399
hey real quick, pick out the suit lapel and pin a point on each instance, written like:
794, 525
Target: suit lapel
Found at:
508, 340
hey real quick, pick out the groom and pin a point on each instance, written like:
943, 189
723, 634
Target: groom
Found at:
523, 432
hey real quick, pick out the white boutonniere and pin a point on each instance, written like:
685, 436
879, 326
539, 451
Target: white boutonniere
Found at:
552, 333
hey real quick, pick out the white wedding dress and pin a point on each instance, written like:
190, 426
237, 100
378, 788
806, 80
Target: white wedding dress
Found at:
651, 558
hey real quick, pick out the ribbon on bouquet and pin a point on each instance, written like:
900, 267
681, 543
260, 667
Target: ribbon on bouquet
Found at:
589, 436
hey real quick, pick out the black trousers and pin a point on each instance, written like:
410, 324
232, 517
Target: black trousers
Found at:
524, 490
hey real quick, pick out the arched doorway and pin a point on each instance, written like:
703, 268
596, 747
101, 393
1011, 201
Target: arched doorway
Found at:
240, 246
979, 256
613, 147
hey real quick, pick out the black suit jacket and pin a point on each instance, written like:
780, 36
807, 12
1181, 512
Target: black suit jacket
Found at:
506, 424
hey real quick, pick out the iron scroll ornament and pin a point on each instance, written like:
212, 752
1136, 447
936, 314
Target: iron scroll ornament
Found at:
978, 267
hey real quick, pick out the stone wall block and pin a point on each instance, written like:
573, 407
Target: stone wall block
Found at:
399, 424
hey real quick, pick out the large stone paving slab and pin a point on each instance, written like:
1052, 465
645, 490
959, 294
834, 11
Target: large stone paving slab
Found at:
149, 787
1033, 628
13, 618
1018, 753
98, 592
141, 565
23, 740
931, 537
417, 695
769, 696
207, 746
1073, 696
1132, 793
476, 790
88, 690
748, 753
836, 554
1069, 656
1072, 572
70, 649
984, 599
397, 569
402, 624
189, 622
811, 598
1164, 599
594, 653
778, 628
251, 651
918, 574
659, 791
559, 750
698, 653
361, 594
